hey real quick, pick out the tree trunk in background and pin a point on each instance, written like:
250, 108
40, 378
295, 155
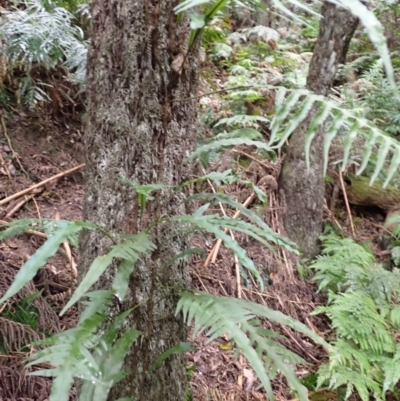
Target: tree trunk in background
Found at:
305, 190
139, 128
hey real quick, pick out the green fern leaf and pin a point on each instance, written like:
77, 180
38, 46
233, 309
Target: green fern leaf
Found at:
235, 318
129, 250
207, 223
63, 229
15, 228
395, 317
392, 371
291, 113
218, 144
225, 199
316, 123
109, 359
69, 350
375, 31
243, 120
282, 111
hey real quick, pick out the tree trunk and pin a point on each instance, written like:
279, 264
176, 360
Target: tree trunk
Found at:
140, 127
305, 190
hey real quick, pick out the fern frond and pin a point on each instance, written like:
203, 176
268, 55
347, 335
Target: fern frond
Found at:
15, 228
262, 32
35, 35
15, 335
212, 224
363, 310
339, 258
346, 354
352, 380
235, 318
207, 223
242, 120
371, 331
347, 266
62, 230
130, 250
71, 352
395, 317
273, 236
392, 370
292, 107
109, 359
376, 33
226, 140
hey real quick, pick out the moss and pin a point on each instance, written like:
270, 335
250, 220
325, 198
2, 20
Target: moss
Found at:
286, 169
360, 192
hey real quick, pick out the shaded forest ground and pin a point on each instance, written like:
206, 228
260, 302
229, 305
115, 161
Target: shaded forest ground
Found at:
33, 149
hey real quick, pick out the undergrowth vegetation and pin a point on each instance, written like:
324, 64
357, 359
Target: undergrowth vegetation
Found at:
364, 308
97, 358
259, 103
39, 36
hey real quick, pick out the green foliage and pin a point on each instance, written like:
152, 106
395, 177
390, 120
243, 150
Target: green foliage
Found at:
395, 222
263, 233
364, 356
81, 353
144, 191
371, 92
96, 358
129, 251
251, 64
293, 107
372, 25
225, 140
62, 231
236, 319
180, 348
71, 5
24, 311
39, 34
363, 308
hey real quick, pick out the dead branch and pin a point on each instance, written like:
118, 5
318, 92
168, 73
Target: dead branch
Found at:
40, 184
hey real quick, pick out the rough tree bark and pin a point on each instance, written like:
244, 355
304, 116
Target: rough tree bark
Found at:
139, 127
304, 190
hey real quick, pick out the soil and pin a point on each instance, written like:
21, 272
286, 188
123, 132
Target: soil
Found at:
33, 150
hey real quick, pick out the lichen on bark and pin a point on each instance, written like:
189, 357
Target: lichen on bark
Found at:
304, 188
137, 129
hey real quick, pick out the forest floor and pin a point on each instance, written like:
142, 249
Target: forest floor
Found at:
33, 150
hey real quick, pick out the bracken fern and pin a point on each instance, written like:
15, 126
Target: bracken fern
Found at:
363, 301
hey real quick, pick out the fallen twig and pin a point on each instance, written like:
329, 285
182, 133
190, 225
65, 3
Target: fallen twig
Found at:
40, 184
68, 252
20, 204
346, 201
14, 155
214, 251
3, 164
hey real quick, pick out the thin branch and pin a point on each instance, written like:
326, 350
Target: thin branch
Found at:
346, 201
22, 203
214, 252
40, 184
15, 155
